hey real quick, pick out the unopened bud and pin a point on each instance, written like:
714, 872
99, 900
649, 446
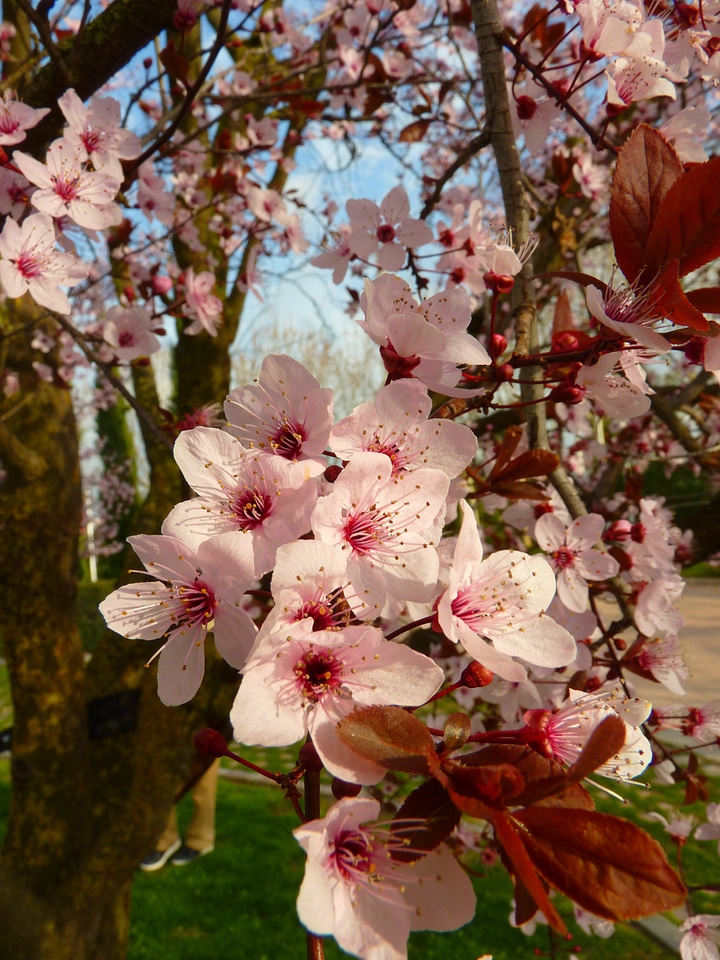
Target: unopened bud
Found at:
504, 372
619, 531
564, 341
309, 758
525, 107
568, 393
341, 789
332, 472
210, 743
498, 343
476, 675
498, 283
161, 285
620, 644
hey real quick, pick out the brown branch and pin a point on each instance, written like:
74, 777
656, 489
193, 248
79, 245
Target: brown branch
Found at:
477, 144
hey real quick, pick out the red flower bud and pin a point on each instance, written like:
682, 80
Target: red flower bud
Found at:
341, 789
476, 675
210, 743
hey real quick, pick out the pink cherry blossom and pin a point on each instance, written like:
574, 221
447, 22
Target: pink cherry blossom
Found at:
31, 263
613, 392
574, 556
426, 341
663, 659
130, 333
359, 890
337, 258
711, 829
16, 118
563, 733
196, 593
655, 611
309, 582
397, 424
501, 599
387, 527
284, 412
66, 189
201, 304
385, 230
700, 937
630, 313
264, 498
299, 680
96, 133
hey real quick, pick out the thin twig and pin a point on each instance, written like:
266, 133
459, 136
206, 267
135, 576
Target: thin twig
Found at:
191, 93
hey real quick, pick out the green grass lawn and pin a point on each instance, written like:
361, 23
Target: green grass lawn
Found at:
240, 900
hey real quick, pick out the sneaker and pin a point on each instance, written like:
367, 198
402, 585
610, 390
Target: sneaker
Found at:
186, 855
158, 858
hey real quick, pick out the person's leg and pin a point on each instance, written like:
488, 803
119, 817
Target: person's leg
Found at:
201, 832
170, 834
167, 844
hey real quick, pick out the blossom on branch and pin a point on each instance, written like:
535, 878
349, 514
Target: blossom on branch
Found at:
355, 889
32, 264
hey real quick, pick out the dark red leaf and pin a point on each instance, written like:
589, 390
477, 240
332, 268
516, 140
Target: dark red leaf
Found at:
521, 490
391, 737
513, 843
687, 227
546, 781
510, 441
706, 299
430, 802
646, 169
609, 866
530, 463
493, 785
175, 63
669, 297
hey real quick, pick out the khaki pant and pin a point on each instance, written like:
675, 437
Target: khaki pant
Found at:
201, 831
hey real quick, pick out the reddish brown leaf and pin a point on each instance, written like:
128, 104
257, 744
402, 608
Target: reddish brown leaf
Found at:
430, 802
510, 441
530, 463
391, 737
607, 739
646, 169
175, 63
493, 785
687, 227
706, 299
456, 732
414, 131
563, 316
609, 866
513, 843
670, 298
522, 490
546, 781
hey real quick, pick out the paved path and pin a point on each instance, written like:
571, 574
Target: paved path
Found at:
700, 605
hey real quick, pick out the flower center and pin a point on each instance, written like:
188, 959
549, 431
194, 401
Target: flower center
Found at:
199, 602
385, 233
251, 508
563, 557
66, 189
287, 440
363, 532
318, 672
